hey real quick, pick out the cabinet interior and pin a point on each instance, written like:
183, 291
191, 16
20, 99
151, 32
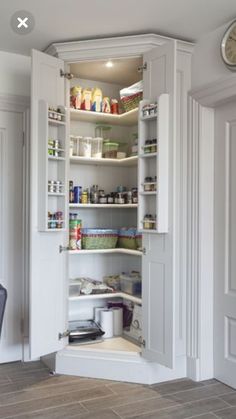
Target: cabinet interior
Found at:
111, 80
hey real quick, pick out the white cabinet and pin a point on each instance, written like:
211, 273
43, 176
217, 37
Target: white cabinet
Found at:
162, 302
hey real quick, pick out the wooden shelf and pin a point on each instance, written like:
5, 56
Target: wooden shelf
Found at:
91, 206
56, 194
107, 295
128, 161
127, 119
106, 251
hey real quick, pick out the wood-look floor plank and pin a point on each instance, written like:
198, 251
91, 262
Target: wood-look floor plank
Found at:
120, 399
143, 407
15, 409
175, 386
201, 393
185, 411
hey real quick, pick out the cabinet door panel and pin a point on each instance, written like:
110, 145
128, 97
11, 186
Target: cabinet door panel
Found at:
47, 296
157, 270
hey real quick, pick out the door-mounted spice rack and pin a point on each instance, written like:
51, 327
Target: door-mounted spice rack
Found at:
153, 177
52, 205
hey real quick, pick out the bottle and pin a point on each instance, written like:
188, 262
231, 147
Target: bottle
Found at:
71, 192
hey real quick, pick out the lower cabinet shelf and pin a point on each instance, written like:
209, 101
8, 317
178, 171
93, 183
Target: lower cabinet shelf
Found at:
102, 251
132, 298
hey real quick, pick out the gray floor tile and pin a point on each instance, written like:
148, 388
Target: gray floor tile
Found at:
187, 410
143, 407
204, 392
229, 413
62, 412
119, 400
177, 385
230, 398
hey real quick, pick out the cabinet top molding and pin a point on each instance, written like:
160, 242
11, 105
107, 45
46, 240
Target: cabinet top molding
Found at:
112, 47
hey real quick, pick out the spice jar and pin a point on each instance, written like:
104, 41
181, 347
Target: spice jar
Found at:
147, 147
84, 197
134, 195
154, 145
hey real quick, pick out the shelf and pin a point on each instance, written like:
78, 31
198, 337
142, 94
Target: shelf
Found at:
53, 230
148, 118
127, 119
120, 206
55, 122
56, 194
149, 231
56, 158
148, 193
128, 161
146, 155
107, 295
106, 251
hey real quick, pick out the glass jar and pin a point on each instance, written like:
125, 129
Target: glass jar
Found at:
97, 147
73, 146
85, 147
110, 149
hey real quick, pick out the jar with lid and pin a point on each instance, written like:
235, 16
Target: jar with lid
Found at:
153, 145
84, 197
85, 147
134, 195
147, 147
97, 143
94, 194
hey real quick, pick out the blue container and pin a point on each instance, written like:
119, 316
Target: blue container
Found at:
77, 194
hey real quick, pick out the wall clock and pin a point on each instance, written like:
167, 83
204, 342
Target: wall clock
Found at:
228, 47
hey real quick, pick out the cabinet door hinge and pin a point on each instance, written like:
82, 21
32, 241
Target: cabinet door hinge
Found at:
63, 248
143, 250
142, 342
67, 76
141, 68
63, 335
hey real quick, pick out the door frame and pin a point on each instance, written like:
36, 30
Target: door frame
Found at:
21, 104
202, 102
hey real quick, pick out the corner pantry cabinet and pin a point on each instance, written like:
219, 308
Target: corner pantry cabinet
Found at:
161, 354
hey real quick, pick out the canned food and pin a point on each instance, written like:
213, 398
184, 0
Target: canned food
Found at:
77, 194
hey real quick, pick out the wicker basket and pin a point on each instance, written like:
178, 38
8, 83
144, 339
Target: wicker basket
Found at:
131, 102
127, 238
94, 238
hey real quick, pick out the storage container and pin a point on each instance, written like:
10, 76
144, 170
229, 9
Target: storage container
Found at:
97, 147
85, 147
94, 238
131, 284
110, 149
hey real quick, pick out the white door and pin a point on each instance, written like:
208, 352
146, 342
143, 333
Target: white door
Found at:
225, 245
47, 312
11, 232
157, 272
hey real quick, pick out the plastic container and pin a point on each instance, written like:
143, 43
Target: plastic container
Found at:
131, 284
110, 149
97, 147
85, 147
73, 145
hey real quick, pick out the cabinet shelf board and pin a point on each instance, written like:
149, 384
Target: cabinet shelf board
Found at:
127, 119
56, 194
148, 118
146, 155
91, 206
56, 158
153, 193
106, 251
128, 161
149, 231
55, 122
108, 295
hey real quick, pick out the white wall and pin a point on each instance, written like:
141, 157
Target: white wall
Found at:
207, 64
14, 74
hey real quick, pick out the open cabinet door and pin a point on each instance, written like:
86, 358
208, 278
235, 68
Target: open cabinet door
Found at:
47, 273
157, 262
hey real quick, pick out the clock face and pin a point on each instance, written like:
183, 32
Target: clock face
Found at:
228, 46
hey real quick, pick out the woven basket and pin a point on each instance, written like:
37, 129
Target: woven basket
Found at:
131, 102
99, 238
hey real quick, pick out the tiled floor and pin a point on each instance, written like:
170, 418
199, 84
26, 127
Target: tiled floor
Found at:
28, 391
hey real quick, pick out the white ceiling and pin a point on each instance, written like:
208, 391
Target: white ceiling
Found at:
61, 20
123, 72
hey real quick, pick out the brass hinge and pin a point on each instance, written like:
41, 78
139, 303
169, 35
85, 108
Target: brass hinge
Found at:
141, 68
67, 76
63, 335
